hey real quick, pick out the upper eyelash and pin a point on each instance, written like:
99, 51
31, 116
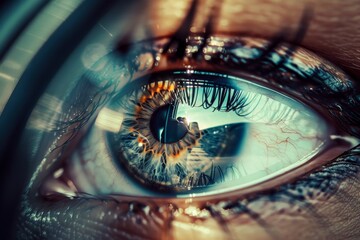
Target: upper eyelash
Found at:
214, 96
218, 96
312, 86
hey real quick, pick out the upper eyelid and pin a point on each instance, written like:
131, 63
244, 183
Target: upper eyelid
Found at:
339, 58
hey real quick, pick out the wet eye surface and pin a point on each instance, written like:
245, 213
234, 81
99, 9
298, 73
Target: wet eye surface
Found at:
181, 132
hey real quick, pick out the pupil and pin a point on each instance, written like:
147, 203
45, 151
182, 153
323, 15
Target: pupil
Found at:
165, 127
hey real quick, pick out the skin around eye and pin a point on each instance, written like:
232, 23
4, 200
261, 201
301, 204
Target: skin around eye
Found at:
307, 208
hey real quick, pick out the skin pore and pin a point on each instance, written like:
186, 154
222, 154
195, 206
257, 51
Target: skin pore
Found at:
334, 34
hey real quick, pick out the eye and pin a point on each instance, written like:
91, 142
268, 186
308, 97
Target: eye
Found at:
263, 131
175, 130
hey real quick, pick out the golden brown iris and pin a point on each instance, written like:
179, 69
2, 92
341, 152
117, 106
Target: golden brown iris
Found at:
160, 94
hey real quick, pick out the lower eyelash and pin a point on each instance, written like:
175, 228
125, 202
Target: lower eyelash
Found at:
215, 96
